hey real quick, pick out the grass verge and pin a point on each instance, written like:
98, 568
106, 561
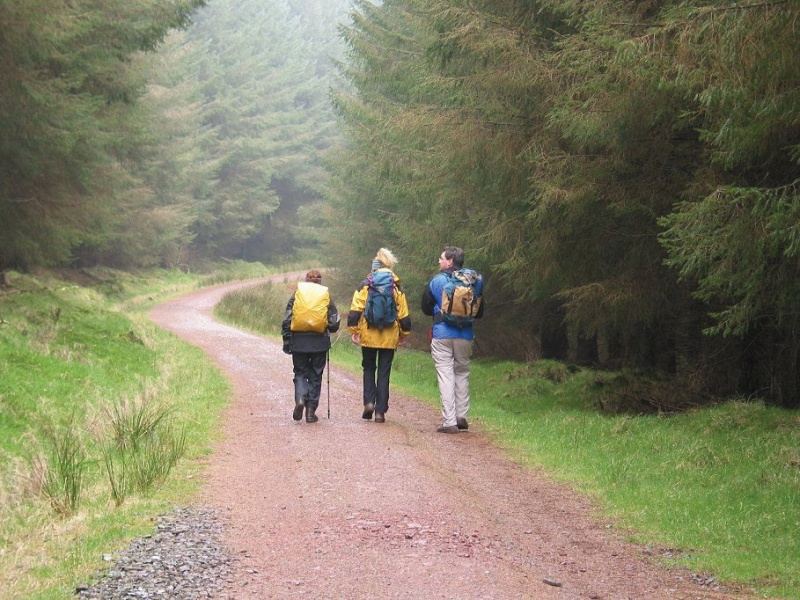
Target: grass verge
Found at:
105, 420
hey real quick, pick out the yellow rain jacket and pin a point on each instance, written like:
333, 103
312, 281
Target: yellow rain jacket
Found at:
371, 337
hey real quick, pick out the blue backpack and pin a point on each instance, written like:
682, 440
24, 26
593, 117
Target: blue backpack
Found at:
461, 297
381, 309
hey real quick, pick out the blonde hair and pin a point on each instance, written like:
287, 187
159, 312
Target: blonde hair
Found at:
386, 258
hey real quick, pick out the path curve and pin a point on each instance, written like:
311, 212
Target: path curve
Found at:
345, 508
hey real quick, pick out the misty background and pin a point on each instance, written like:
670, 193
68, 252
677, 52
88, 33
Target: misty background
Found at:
625, 175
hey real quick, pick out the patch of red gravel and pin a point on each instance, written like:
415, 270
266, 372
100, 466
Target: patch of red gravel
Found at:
345, 508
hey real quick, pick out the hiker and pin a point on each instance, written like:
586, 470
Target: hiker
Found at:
454, 299
379, 322
311, 316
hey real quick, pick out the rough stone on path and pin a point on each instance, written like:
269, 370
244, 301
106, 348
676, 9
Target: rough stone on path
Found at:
185, 558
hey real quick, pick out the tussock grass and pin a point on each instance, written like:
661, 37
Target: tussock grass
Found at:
258, 308
62, 469
135, 420
144, 445
141, 468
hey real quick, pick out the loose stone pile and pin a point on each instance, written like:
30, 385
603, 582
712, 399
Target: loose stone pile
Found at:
183, 559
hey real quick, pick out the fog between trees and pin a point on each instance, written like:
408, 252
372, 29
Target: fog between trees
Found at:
624, 173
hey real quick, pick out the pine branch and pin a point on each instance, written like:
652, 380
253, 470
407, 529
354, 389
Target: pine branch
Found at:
703, 11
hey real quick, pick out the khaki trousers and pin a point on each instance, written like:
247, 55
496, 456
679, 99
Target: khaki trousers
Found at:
451, 359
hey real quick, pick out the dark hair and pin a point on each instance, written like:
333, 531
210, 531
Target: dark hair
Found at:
314, 275
456, 254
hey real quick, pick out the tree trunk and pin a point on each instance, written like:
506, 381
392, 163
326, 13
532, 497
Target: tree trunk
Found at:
603, 348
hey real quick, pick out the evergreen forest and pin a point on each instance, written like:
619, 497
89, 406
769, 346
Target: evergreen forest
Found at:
625, 174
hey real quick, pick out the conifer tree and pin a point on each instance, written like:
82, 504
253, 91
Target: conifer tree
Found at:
69, 74
736, 232
267, 112
558, 139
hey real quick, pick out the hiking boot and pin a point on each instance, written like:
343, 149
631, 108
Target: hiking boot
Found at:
447, 429
311, 416
462, 424
299, 405
368, 409
380, 417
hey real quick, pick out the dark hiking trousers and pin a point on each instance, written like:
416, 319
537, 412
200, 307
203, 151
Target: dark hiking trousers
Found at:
376, 389
308, 369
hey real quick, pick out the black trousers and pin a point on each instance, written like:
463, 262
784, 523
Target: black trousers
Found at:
377, 365
308, 369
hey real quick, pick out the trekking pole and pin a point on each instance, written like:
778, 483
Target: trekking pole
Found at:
329, 383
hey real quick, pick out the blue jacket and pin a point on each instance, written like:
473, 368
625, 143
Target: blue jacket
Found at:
431, 305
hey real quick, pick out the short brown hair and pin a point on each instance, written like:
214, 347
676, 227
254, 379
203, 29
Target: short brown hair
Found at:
455, 254
314, 275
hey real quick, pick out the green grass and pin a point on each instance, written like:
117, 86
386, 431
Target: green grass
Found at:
70, 362
718, 486
257, 308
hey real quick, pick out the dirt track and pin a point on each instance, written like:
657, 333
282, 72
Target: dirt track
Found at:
345, 508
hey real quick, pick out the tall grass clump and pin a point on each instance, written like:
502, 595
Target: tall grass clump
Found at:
144, 445
135, 420
257, 308
140, 469
58, 470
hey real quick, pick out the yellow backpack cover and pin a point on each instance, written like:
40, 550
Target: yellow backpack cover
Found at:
310, 309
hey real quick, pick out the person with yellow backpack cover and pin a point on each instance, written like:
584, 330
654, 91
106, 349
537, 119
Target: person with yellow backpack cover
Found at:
311, 316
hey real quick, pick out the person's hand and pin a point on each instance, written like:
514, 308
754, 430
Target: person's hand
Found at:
356, 339
402, 340
287, 349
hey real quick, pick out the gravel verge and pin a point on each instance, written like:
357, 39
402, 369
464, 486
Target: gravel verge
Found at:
185, 558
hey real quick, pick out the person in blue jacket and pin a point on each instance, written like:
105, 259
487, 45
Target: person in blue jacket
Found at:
451, 346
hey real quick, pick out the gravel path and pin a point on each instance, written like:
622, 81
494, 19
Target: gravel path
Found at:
345, 508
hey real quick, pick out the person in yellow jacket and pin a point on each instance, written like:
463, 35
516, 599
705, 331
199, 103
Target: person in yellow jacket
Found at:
379, 322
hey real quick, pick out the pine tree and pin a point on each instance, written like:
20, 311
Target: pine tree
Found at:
69, 73
267, 112
557, 140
